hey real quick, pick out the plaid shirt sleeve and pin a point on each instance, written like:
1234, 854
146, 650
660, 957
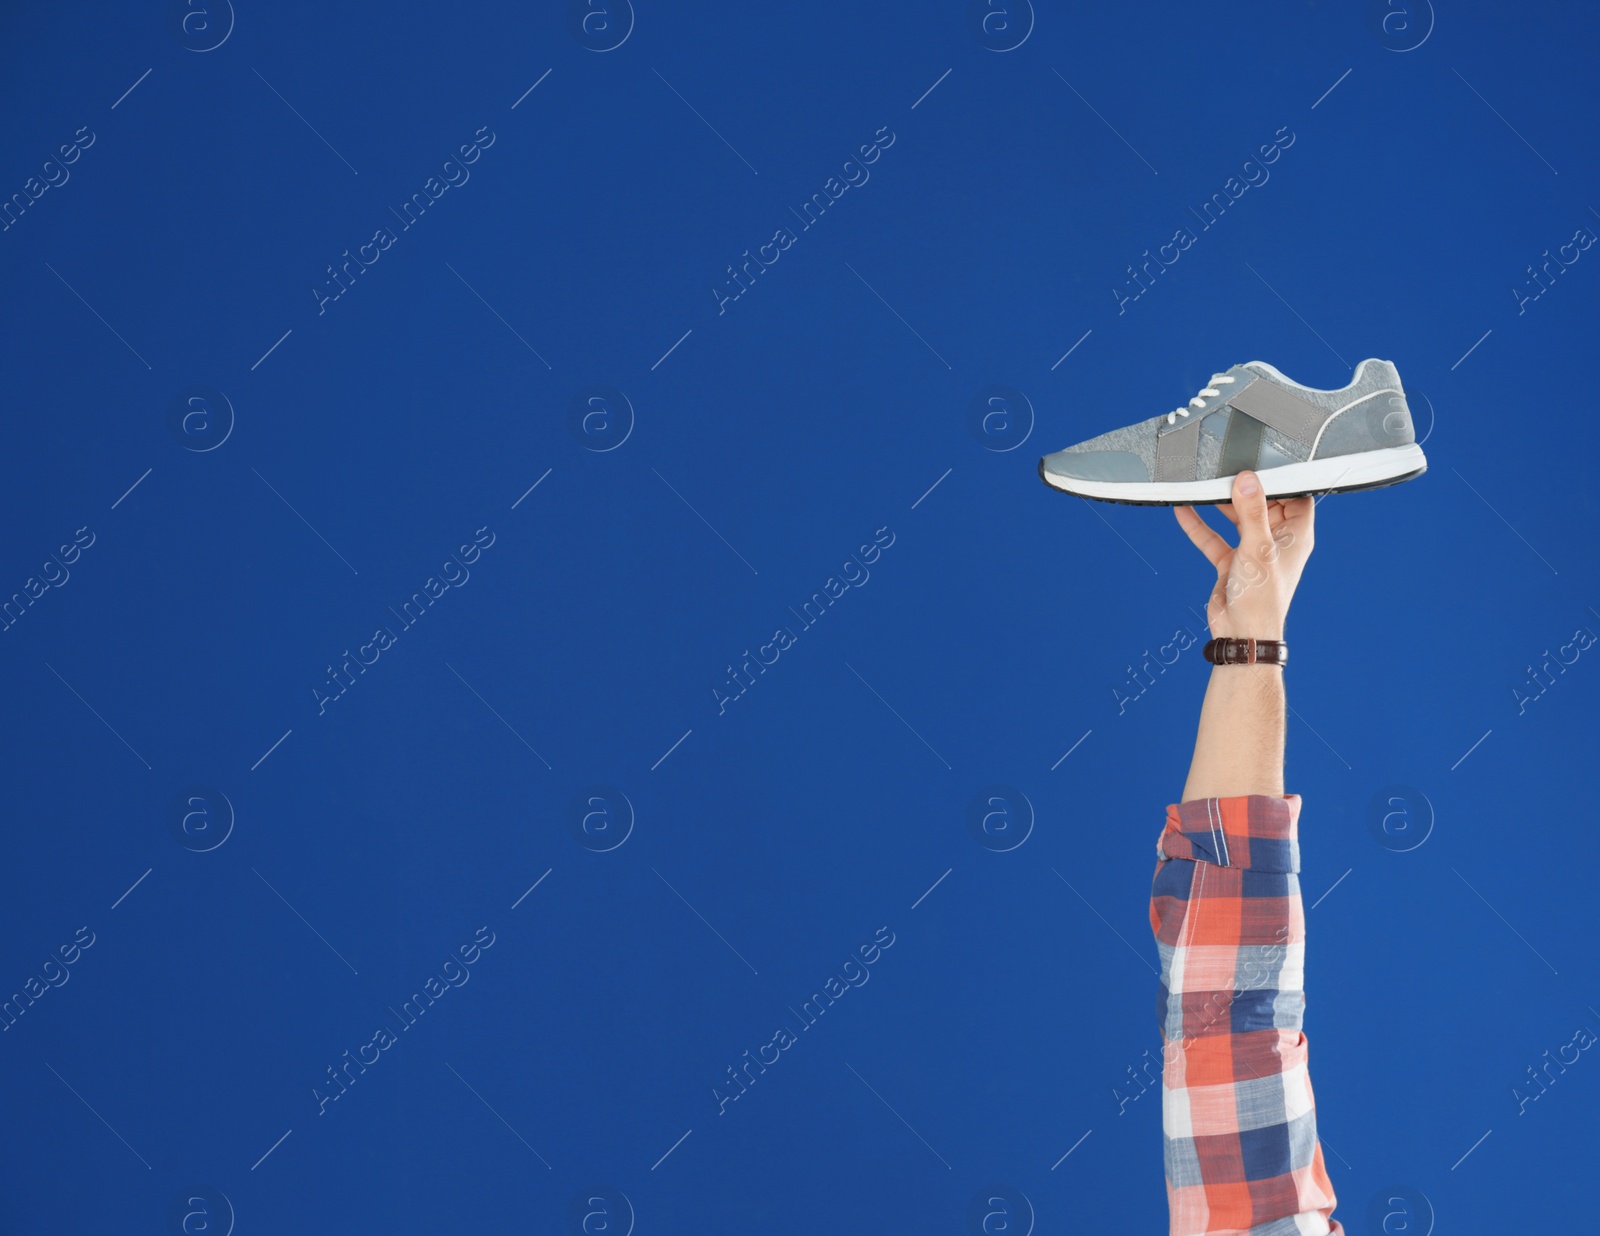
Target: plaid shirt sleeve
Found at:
1239, 1121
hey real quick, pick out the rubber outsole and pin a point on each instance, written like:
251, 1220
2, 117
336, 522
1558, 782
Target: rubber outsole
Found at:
1304, 493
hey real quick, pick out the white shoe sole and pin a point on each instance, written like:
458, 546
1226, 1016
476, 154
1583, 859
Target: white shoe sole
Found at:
1336, 474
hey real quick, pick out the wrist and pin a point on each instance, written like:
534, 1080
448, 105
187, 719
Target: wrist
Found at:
1249, 628
1239, 746
1264, 673
1248, 652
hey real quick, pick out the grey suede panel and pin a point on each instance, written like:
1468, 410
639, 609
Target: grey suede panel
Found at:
1177, 450
1376, 375
1397, 428
1380, 422
1138, 439
1279, 409
1097, 465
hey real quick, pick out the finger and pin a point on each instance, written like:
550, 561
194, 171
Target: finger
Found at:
1204, 537
1299, 516
1299, 508
1250, 506
1276, 513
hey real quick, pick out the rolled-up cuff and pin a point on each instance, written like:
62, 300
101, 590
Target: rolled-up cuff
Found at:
1257, 832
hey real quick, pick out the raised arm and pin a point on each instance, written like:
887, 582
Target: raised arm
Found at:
1238, 1116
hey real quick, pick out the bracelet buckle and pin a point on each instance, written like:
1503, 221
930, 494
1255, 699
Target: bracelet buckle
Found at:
1244, 650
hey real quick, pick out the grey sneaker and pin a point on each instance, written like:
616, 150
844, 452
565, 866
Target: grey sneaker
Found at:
1299, 440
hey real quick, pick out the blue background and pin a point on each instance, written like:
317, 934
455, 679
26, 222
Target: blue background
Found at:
237, 556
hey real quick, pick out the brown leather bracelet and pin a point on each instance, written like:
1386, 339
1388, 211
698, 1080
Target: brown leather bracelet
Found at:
1246, 652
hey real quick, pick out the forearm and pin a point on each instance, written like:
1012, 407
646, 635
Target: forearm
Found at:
1238, 1114
1239, 746
1225, 905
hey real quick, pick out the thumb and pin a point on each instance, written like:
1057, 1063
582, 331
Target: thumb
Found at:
1250, 505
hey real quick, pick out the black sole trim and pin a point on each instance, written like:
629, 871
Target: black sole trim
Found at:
1304, 493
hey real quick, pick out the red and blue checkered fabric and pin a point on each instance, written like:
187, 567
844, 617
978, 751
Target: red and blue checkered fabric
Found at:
1239, 1121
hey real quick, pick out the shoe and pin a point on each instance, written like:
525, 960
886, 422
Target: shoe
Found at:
1298, 439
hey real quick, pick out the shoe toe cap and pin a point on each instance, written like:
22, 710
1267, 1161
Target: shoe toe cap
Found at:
1096, 465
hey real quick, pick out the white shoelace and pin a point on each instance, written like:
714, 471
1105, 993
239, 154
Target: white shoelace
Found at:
1199, 399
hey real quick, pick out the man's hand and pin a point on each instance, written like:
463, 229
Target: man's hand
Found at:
1239, 749
1255, 580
